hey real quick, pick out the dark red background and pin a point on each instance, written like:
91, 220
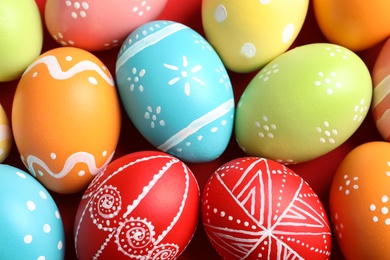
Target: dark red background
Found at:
318, 173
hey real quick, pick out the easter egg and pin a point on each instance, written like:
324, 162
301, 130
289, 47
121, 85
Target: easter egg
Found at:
380, 97
66, 118
30, 223
303, 104
249, 34
5, 135
256, 208
143, 205
176, 91
21, 37
96, 25
357, 25
359, 202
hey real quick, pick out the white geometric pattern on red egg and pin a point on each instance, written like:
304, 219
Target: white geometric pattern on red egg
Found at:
135, 237
266, 211
318, 104
39, 234
176, 90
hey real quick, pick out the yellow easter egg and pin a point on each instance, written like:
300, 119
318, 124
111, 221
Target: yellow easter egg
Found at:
249, 34
5, 135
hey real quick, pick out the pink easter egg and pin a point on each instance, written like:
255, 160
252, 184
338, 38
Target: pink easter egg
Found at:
97, 25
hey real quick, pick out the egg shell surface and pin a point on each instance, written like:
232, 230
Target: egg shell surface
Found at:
249, 34
143, 205
355, 24
97, 25
30, 223
303, 104
66, 118
21, 37
176, 91
5, 135
381, 99
256, 208
359, 202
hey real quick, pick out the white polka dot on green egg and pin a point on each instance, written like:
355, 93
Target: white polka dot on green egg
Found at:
30, 222
303, 104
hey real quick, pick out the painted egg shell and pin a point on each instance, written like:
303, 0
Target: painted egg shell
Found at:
255, 208
176, 91
31, 225
370, 22
66, 118
20, 22
249, 34
97, 25
144, 205
381, 99
5, 135
359, 202
303, 104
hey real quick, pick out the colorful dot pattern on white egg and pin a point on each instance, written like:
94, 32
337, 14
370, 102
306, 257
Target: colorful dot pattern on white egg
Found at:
41, 230
182, 75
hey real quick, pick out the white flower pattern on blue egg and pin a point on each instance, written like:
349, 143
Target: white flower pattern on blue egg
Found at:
152, 115
184, 73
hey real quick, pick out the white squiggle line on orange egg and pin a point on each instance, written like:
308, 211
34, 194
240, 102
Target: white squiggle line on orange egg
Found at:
5, 132
56, 71
79, 157
197, 124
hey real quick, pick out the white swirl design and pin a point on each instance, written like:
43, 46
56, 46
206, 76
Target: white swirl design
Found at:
78, 157
56, 71
164, 252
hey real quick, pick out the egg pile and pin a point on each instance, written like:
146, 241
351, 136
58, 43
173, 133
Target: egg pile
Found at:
194, 129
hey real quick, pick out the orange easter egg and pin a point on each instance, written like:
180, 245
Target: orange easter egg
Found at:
357, 25
66, 118
5, 135
360, 202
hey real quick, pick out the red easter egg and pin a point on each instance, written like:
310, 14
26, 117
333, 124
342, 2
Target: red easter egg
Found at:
381, 98
143, 205
97, 25
255, 208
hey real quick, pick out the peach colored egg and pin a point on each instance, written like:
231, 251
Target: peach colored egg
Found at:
381, 98
359, 202
97, 25
66, 118
5, 135
355, 24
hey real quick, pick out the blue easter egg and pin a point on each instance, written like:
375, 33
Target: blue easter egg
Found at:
176, 90
30, 223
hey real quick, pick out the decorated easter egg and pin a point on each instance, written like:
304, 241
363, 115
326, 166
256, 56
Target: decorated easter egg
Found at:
97, 25
303, 104
66, 118
143, 205
30, 223
21, 37
380, 98
256, 208
249, 34
359, 202
176, 91
357, 25
5, 135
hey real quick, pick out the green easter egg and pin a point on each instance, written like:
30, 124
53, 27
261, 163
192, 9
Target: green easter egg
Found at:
303, 104
21, 37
